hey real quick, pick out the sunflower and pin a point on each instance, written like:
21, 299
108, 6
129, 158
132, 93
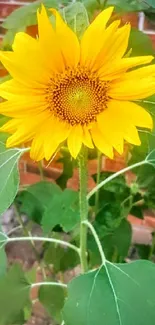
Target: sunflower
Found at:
75, 91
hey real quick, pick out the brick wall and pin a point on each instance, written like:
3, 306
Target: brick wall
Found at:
29, 170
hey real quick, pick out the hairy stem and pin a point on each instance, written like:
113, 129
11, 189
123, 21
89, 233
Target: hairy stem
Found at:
83, 207
99, 164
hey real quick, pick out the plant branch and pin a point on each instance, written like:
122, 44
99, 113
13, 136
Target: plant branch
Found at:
51, 240
57, 284
110, 178
94, 233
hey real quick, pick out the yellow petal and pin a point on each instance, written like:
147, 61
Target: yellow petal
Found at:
114, 48
87, 141
119, 122
26, 129
100, 142
129, 113
112, 129
49, 42
91, 42
11, 126
120, 66
68, 41
74, 140
107, 38
144, 72
26, 74
23, 107
13, 90
131, 135
56, 132
132, 90
37, 147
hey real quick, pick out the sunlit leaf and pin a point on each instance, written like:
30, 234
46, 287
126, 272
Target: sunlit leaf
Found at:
76, 17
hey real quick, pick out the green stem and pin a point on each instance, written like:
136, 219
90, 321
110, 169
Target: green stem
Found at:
99, 165
83, 207
43, 239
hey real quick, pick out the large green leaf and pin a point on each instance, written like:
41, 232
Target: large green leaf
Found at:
62, 210
8, 175
52, 298
76, 17
119, 294
14, 290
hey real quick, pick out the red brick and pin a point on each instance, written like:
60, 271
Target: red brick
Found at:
7, 9
130, 18
29, 178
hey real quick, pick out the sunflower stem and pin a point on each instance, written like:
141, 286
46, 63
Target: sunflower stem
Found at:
82, 159
99, 164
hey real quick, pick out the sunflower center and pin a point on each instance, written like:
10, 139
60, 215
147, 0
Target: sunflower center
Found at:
77, 96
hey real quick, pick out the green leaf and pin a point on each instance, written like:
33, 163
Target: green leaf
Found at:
76, 17
140, 43
62, 210
61, 259
128, 5
8, 175
35, 200
91, 6
151, 3
120, 294
14, 290
52, 298
27, 15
